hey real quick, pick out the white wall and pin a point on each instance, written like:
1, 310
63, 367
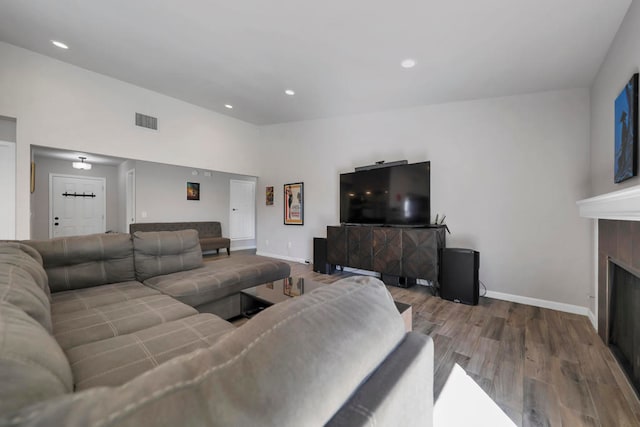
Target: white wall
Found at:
161, 195
506, 172
7, 129
621, 62
40, 200
7, 177
63, 106
7, 189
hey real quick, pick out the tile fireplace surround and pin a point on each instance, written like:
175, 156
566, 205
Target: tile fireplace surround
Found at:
618, 215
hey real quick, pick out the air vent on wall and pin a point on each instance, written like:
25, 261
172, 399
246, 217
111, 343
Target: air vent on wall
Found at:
146, 121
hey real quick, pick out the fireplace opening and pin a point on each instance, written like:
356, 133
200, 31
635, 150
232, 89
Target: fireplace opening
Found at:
624, 321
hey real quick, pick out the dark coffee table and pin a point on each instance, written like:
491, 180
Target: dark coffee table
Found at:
259, 297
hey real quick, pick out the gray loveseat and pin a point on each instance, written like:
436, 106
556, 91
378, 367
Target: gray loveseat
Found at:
89, 347
209, 232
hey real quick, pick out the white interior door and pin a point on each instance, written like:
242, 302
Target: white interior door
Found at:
76, 205
242, 215
131, 198
7, 190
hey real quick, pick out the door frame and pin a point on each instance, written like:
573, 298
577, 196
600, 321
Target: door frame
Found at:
94, 178
253, 183
130, 199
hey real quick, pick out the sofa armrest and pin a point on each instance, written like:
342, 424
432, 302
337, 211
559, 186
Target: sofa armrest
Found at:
399, 392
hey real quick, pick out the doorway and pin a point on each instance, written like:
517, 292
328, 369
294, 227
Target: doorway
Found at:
77, 205
242, 214
130, 190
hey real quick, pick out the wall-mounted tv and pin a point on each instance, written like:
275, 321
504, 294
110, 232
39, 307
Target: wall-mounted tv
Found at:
394, 195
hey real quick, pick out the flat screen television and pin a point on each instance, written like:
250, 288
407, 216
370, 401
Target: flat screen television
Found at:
394, 195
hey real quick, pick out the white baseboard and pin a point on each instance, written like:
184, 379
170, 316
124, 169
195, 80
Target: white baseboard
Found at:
553, 305
242, 248
567, 308
593, 319
282, 257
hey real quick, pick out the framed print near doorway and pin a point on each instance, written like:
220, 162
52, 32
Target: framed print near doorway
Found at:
294, 204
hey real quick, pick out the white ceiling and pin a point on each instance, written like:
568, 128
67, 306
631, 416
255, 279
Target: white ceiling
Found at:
340, 56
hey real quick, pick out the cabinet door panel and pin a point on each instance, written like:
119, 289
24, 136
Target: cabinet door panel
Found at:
387, 251
359, 247
420, 254
337, 246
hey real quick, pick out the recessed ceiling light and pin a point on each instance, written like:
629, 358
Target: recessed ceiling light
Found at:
290, 92
59, 44
228, 106
408, 63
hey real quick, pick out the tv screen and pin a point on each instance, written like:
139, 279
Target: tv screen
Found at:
394, 195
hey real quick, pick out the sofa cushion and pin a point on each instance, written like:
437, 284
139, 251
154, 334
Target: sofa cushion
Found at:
219, 278
116, 360
163, 252
83, 299
23, 282
98, 323
18, 288
84, 261
28, 259
210, 243
32, 365
294, 363
204, 228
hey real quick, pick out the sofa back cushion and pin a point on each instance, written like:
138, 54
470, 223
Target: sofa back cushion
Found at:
28, 259
85, 261
23, 282
33, 367
164, 252
204, 228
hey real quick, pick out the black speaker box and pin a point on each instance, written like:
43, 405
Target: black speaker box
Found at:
459, 279
320, 264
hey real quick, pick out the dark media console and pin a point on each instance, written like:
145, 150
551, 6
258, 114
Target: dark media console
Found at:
400, 255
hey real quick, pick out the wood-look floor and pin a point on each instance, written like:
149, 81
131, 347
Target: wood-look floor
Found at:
542, 367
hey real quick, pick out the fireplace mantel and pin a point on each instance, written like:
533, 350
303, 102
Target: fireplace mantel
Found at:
622, 205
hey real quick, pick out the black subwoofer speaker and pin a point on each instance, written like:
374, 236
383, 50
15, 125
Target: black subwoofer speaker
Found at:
459, 279
320, 264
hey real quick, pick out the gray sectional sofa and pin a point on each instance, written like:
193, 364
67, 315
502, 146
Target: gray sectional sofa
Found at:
87, 340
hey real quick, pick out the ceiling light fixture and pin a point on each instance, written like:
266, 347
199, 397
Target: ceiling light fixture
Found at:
290, 92
81, 164
59, 44
229, 106
408, 63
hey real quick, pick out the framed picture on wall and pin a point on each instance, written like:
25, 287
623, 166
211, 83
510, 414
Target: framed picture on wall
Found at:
294, 204
269, 195
625, 159
193, 191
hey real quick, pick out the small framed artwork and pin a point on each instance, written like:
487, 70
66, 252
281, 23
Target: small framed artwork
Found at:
294, 204
269, 194
193, 191
625, 159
